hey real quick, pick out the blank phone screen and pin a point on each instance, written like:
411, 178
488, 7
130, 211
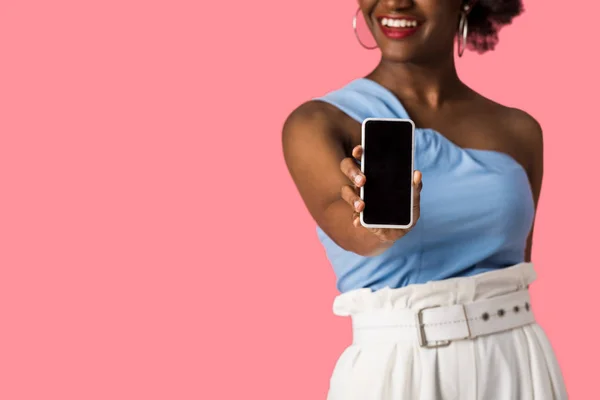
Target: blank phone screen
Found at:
388, 167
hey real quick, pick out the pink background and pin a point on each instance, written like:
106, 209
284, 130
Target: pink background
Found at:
152, 245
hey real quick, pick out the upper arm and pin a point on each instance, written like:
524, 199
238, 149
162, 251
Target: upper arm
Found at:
313, 151
313, 147
530, 132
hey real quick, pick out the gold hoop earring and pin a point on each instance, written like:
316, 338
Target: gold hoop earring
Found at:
463, 31
354, 23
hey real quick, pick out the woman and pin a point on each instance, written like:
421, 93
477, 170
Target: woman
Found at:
441, 310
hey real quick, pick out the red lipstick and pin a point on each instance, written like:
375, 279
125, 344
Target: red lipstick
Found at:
397, 26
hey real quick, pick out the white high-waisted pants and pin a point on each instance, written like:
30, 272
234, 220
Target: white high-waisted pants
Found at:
518, 364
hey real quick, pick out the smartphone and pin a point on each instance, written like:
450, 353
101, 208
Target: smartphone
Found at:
388, 163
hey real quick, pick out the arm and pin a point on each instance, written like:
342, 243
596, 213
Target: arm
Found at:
532, 133
313, 148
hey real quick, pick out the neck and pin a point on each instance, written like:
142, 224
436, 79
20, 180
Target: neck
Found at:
431, 83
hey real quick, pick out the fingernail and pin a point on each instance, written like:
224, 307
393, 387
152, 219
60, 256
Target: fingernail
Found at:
358, 179
356, 204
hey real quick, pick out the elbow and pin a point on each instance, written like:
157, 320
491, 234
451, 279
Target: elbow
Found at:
371, 252
362, 247
357, 240
351, 245
356, 249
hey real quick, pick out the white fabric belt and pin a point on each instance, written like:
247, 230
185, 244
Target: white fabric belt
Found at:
439, 325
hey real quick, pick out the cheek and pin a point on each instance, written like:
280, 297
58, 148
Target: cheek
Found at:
441, 13
443, 24
367, 6
439, 6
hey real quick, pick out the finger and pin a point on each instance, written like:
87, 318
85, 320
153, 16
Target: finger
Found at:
417, 196
417, 178
357, 152
349, 195
356, 220
351, 170
418, 185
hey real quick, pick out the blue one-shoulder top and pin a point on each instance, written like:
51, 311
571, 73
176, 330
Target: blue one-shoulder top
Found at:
477, 207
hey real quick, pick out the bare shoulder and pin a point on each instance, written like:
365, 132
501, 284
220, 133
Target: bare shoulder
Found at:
525, 126
527, 134
520, 132
312, 128
522, 127
311, 117
518, 122
314, 144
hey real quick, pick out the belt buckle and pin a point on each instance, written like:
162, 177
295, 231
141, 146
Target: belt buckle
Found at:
421, 331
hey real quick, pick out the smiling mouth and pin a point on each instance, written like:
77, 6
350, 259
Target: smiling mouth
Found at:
398, 27
398, 22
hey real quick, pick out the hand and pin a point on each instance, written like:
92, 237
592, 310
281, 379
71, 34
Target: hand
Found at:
350, 193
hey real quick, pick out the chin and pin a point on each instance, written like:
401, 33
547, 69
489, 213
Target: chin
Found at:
400, 54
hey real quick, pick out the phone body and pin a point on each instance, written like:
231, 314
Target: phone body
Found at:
388, 164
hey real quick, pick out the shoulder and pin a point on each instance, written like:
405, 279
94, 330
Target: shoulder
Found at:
519, 123
310, 113
527, 130
332, 111
522, 130
312, 119
527, 134
520, 126
524, 124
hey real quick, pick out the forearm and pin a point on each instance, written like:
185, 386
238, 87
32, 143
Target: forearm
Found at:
337, 223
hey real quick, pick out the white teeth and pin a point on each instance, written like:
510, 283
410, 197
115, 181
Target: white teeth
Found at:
398, 23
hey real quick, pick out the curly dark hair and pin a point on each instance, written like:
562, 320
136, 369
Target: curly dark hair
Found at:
486, 18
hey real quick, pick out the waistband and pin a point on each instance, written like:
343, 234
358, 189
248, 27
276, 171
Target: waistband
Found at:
440, 325
446, 292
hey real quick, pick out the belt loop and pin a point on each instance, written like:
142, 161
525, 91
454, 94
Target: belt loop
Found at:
468, 322
466, 290
523, 284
